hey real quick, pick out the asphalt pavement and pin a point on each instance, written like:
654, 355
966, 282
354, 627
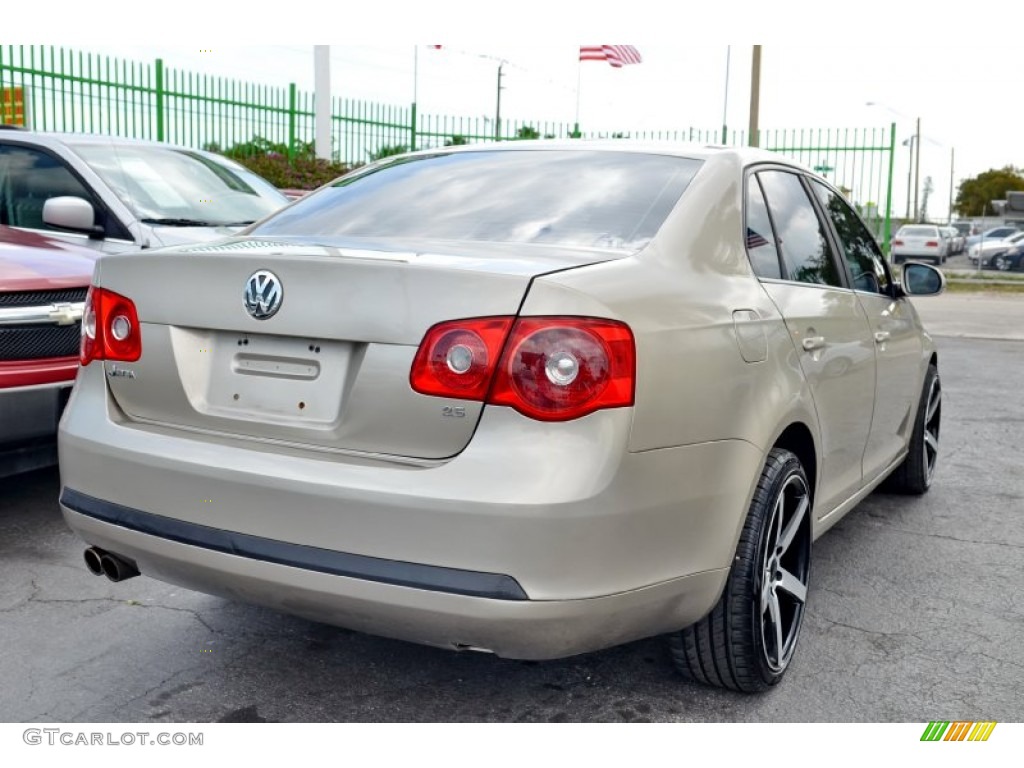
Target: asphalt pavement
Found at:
973, 315
915, 611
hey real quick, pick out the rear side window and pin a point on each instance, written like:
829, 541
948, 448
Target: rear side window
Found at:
764, 256
615, 200
862, 254
806, 254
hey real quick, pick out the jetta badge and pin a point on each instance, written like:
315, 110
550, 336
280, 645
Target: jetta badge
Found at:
263, 294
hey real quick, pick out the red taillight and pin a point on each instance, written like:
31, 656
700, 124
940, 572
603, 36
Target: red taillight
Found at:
551, 368
561, 368
110, 328
897, 242
457, 359
932, 244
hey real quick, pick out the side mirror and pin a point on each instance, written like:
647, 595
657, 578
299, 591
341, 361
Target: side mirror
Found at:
922, 280
71, 213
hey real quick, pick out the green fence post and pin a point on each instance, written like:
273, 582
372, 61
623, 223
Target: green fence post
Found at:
159, 99
412, 129
292, 117
887, 229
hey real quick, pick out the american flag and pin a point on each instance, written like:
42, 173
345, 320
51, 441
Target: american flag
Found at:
754, 240
616, 55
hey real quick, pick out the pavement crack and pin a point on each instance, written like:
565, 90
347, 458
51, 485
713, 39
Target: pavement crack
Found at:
191, 611
868, 631
130, 603
950, 538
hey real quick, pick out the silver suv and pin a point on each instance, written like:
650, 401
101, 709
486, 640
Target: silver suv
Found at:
116, 195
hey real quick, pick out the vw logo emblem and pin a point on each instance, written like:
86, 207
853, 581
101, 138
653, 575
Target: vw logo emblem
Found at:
263, 294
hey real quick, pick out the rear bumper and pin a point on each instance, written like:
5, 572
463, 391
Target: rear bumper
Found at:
557, 540
519, 629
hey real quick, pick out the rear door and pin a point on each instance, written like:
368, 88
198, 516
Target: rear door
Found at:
897, 342
830, 333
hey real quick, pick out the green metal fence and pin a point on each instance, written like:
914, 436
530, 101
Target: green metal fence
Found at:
65, 90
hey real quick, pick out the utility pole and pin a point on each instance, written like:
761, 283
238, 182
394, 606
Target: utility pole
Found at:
497, 109
952, 155
755, 96
917, 169
322, 100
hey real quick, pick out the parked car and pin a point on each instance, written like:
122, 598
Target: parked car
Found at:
995, 233
965, 228
988, 250
116, 194
532, 399
42, 290
954, 239
1012, 259
919, 241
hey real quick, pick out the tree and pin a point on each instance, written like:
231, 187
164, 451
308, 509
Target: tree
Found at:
929, 187
976, 194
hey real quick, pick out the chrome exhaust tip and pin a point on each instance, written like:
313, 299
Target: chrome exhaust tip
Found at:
93, 562
116, 568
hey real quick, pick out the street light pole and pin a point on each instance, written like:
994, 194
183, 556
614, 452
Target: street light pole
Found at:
917, 168
909, 144
497, 110
952, 155
914, 168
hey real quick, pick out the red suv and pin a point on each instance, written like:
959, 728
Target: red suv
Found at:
42, 291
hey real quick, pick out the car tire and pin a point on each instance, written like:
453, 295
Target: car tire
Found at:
914, 475
747, 641
1001, 263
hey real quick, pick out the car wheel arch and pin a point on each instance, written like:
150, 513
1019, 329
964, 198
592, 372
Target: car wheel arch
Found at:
797, 434
798, 438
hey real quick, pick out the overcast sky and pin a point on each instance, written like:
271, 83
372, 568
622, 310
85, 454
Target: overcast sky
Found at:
965, 94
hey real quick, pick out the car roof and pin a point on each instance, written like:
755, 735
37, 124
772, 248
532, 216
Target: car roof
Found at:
743, 155
52, 138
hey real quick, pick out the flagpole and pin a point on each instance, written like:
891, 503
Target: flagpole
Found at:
576, 127
414, 115
725, 108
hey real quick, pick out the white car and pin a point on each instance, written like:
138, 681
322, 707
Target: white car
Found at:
955, 239
987, 250
919, 241
115, 195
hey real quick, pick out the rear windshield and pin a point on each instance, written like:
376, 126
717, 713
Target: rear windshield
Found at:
919, 232
614, 200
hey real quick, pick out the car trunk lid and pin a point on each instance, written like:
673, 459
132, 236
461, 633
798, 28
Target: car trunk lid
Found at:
330, 369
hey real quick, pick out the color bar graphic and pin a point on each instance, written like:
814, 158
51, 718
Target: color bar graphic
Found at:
958, 731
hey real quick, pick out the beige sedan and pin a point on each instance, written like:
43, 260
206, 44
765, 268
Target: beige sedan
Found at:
531, 399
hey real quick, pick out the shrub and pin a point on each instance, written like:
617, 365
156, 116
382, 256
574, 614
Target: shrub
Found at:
270, 161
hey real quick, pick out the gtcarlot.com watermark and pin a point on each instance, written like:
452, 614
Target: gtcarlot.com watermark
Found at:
59, 736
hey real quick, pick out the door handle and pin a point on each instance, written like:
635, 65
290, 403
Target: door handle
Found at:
881, 337
813, 342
